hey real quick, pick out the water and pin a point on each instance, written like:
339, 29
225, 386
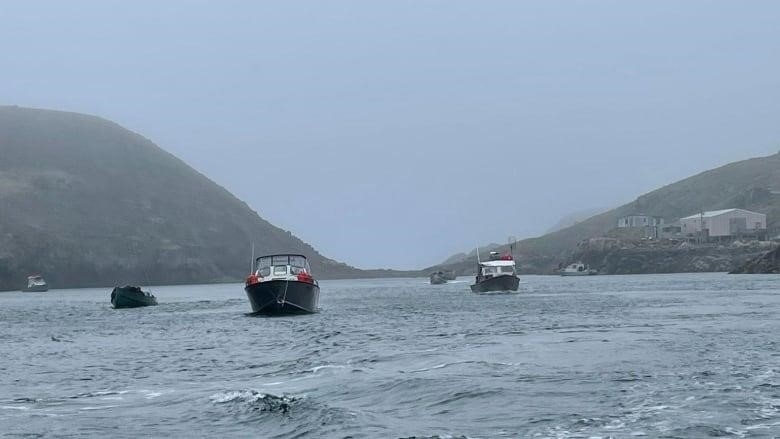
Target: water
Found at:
612, 356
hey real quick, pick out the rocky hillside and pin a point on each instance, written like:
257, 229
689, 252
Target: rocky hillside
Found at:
88, 203
752, 184
615, 256
765, 263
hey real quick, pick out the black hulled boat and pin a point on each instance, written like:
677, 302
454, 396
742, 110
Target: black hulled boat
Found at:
497, 274
130, 296
282, 284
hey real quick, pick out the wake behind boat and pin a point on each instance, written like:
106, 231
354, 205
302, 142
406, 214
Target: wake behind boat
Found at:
36, 283
282, 284
497, 274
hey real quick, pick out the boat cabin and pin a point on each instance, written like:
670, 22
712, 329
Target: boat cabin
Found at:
495, 268
35, 280
283, 267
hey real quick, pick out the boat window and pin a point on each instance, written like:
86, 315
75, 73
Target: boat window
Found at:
490, 270
298, 261
508, 269
280, 270
263, 262
264, 271
296, 270
281, 260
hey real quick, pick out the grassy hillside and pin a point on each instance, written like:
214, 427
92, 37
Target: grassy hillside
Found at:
747, 184
87, 202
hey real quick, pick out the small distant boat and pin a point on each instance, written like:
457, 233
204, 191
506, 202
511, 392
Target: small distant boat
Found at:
282, 284
130, 296
438, 278
497, 274
578, 269
449, 274
36, 283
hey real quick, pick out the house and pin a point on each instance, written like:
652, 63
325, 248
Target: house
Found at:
638, 221
724, 223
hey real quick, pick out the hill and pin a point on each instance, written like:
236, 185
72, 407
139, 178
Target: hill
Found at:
89, 203
752, 184
575, 217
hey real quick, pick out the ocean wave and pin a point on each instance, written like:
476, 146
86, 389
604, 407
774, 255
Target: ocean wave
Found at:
257, 401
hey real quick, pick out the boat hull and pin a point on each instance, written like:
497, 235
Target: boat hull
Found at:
131, 298
497, 283
36, 289
578, 273
283, 297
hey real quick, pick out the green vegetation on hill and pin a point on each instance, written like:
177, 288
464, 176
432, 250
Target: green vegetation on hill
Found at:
86, 202
749, 184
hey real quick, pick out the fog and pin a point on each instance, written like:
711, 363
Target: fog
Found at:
395, 133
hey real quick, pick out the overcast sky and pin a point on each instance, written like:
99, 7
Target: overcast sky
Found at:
395, 133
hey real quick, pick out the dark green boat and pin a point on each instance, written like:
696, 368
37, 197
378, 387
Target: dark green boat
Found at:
131, 297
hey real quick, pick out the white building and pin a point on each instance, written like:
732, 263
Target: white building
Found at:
636, 221
727, 222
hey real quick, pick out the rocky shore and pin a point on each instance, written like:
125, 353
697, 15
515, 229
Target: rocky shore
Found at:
614, 256
766, 263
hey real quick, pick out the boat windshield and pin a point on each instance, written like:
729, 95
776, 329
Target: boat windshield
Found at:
297, 263
508, 269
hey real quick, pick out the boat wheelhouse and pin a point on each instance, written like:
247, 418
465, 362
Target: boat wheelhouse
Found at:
282, 284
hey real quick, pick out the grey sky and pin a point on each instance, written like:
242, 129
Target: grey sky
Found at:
395, 133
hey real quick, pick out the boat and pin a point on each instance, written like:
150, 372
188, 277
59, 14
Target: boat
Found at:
282, 284
577, 269
130, 296
497, 274
438, 278
36, 283
449, 274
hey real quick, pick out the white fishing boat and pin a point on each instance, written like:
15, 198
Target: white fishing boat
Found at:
578, 269
36, 283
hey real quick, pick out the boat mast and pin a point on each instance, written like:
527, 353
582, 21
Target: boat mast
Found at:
252, 262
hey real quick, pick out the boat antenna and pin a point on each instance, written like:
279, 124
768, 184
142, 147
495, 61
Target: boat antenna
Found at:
478, 262
252, 262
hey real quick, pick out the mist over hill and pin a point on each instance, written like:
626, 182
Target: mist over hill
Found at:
752, 184
573, 218
86, 202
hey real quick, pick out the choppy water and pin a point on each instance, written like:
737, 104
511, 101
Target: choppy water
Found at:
613, 356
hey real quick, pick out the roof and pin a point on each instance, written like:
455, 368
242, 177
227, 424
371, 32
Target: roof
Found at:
498, 263
713, 213
640, 214
280, 254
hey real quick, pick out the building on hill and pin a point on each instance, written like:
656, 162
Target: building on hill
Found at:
639, 221
640, 225
725, 224
671, 230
